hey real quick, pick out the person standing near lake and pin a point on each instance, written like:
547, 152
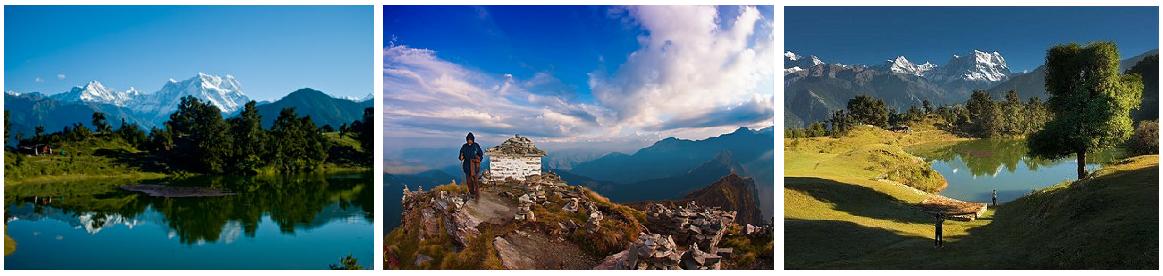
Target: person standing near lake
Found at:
470, 157
994, 197
938, 241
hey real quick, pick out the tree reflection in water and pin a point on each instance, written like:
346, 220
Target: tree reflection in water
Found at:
293, 203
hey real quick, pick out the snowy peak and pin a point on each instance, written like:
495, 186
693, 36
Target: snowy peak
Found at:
793, 62
901, 65
225, 93
369, 96
95, 92
978, 66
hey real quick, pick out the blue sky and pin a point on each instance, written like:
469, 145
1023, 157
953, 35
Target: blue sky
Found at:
271, 50
871, 35
561, 74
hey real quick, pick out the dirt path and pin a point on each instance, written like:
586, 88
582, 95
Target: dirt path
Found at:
534, 250
491, 208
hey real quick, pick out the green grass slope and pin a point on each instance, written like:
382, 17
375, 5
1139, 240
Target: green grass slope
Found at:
91, 158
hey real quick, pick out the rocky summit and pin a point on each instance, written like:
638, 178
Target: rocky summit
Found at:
542, 222
524, 218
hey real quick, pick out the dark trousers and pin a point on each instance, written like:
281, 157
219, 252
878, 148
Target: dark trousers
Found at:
470, 176
938, 240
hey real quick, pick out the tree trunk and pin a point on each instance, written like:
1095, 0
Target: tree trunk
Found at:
1081, 164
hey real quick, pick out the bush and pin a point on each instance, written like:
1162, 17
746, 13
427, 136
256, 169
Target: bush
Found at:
1145, 140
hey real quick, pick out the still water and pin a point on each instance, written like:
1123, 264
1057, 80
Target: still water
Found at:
285, 222
975, 168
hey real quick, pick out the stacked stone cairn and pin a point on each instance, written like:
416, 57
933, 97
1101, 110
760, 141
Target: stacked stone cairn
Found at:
524, 211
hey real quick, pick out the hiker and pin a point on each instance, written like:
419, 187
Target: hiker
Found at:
994, 197
470, 157
938, 242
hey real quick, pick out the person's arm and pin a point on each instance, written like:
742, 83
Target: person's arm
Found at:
460, 154
480, 153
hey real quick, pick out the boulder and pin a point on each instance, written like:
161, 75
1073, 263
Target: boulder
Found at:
511, 258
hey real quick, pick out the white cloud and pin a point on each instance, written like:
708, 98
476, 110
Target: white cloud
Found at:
694, 78
38, 79
704, 65
425, 95
60, 76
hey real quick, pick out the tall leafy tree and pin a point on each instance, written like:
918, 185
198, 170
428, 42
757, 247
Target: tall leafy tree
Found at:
131, 133
249, 138
100, 124
982, 113
840, 123
866, 109
201, 140
296, 144
1090, 100
366, 133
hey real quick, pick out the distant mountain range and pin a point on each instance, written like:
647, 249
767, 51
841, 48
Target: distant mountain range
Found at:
672, 168
28, 110
814, 88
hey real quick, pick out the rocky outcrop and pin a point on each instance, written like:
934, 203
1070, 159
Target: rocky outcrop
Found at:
438, 209
732, 193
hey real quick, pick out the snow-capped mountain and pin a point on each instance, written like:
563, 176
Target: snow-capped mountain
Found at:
901, 65
95, 92
222, 92
369, 96
794, 63
978, 66
815, 88
225, 93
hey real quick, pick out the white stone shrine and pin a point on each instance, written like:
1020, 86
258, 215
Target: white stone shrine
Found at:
517, 157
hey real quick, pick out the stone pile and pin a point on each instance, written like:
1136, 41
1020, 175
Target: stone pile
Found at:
653, 252
517, 146
524, 211
690, 224
695, 259
571, 205
753, 230
595, 221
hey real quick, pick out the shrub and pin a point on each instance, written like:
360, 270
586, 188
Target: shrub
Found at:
1145, 140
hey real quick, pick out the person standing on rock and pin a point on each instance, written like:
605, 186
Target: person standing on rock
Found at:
470, 157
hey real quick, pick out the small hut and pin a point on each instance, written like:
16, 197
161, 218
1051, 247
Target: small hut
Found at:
517, 157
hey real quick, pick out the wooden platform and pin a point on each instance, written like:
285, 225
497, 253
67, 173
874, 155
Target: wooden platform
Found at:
952, 208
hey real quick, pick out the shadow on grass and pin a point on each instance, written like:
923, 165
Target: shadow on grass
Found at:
1109, 222
813, 244
857, 200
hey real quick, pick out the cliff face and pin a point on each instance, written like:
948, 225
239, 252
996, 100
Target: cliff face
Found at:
733, 193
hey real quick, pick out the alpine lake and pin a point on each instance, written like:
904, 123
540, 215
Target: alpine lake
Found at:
974, 169
268, 222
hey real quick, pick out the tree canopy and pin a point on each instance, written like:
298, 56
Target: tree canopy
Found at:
1090, 100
